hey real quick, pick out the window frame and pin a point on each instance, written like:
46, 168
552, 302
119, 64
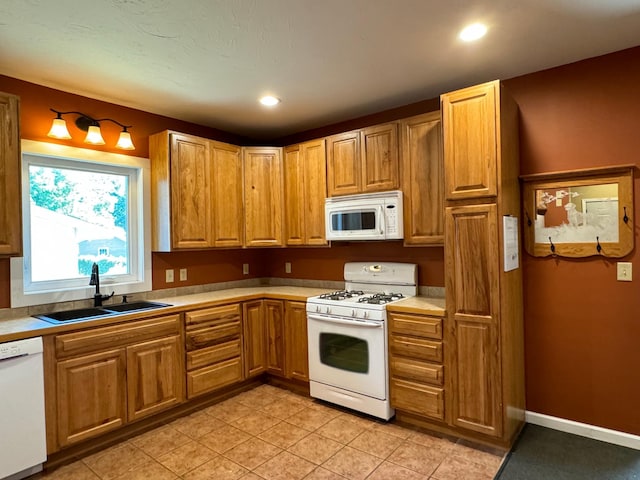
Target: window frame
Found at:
139, 234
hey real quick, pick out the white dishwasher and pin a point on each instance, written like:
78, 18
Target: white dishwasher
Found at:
22, 441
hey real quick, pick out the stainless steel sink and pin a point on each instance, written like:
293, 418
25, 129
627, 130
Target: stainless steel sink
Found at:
81, 314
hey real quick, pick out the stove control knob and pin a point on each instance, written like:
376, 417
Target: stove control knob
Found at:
328, 310
317, 308
353, 313
366, 314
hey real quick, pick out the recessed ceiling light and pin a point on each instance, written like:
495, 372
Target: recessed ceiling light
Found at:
269, 101
473, 32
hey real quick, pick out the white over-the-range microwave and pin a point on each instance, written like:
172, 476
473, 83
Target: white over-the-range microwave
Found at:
369, 216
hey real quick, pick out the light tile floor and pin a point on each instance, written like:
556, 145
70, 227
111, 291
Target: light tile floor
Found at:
270, 433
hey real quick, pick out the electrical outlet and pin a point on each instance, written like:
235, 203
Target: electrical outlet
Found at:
183, 274
287, 267
245, 269
168, 274
625, 271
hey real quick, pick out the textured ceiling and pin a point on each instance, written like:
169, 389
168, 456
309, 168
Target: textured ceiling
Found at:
209, 61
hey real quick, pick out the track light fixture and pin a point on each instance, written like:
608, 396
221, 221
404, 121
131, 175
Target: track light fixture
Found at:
90, 125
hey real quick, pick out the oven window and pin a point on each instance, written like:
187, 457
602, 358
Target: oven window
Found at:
353, 221
344, 352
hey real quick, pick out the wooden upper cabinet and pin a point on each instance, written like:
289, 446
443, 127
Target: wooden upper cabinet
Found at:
473, 305
422, 179
469, 118
379, 152
344, 169
226, 195
304, 193
190, 192
263, 196
196, 192
363, 161
10, 186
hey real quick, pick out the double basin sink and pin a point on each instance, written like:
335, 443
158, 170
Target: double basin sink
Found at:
80, 314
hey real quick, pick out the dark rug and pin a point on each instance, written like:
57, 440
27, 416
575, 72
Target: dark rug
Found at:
541, 453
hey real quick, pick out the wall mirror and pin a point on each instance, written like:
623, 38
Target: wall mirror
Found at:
579, 213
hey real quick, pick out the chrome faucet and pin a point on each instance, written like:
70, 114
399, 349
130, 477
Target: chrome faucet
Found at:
95, 280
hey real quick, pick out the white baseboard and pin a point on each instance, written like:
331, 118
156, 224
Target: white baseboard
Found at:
584, 430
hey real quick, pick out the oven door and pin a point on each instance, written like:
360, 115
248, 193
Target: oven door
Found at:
348, 354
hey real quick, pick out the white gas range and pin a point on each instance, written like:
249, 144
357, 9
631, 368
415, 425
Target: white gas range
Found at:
347, 334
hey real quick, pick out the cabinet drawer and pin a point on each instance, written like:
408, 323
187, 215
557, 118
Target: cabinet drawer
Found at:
207, 356
213, 316
418, 325
208, 337
416, 370
417, 398
96, 339
210, 378
416, 347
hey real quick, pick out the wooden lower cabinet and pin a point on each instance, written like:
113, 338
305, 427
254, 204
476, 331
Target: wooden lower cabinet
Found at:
100, 379
255, 338
91, 395
296, 343
274, 318
213, 340
154, 376
416, 366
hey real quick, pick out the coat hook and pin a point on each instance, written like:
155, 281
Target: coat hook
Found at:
598, 246
625, 218
553, 247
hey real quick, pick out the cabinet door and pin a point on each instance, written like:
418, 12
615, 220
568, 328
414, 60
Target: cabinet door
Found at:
263, 196
305, 189
379, 152
91, 395
422, 179
227, 201
344, 174
472, 288
190, 192
297, 362
10, 187
315, 191
255, 338
274, 317
294, 197
155, 378
470, 141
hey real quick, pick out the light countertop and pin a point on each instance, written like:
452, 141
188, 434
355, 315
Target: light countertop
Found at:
25, 327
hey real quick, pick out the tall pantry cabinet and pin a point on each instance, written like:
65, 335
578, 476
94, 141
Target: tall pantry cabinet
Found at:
484, 325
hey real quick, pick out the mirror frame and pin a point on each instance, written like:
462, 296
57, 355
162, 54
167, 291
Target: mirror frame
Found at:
621, 175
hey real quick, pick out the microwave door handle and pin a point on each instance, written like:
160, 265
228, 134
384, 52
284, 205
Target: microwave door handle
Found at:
381, 219
342, 321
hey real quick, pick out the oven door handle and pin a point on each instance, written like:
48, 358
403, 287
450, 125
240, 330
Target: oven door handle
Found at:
342, 321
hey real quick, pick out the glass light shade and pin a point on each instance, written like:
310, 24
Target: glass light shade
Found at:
59, 129
125, 142
94, 137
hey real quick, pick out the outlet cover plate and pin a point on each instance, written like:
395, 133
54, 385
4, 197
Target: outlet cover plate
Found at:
168, 274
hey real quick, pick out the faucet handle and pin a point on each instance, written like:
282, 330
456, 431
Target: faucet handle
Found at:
124, 298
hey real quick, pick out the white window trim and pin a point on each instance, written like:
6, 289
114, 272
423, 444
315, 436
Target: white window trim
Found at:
21, 298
